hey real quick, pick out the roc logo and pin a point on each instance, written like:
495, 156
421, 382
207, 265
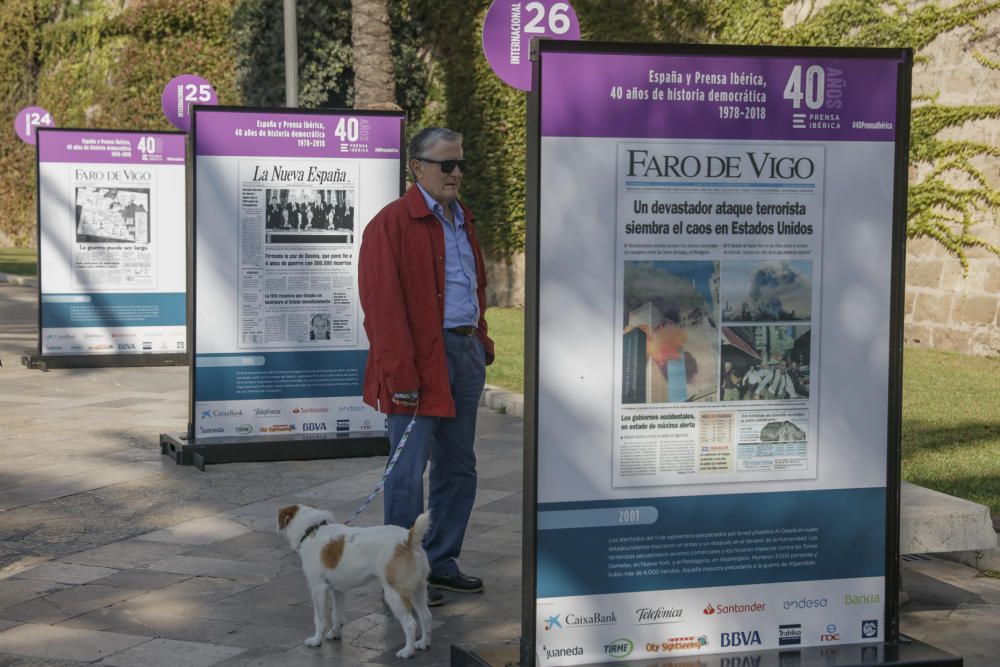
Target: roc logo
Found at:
314, 426
619, 648
734, 639
831, 634
552, 622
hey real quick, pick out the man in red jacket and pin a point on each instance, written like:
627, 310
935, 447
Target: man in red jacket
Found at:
423, 290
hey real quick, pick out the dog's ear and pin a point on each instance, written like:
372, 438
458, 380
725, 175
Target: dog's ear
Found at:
285, 516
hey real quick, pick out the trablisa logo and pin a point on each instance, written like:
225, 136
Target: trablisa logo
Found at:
343, 425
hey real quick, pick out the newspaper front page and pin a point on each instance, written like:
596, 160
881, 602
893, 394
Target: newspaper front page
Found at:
718, 255
297, 253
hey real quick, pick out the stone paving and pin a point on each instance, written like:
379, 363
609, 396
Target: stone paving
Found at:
111, 554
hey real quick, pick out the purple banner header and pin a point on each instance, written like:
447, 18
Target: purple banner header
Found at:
246, 133
718, 97
110, 147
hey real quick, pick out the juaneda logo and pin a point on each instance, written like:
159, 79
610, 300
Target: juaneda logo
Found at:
214, 429
552, 622
749, 608
619, 648
830, 635
650, 616
739, 638
789, 634
873, 598
562, 652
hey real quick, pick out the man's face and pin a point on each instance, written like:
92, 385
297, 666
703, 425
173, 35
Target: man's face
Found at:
320, 327
439, 185
728, 366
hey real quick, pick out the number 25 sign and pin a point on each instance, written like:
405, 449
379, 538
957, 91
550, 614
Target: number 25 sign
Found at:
181, 93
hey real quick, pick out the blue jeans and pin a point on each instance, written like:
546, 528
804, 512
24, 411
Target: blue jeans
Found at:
448, 444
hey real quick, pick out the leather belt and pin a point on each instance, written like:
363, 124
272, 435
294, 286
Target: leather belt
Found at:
464, 331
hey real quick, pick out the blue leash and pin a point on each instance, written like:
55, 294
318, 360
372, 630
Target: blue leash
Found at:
388, 469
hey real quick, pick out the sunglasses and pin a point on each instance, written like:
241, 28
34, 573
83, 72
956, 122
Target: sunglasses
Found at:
447, 166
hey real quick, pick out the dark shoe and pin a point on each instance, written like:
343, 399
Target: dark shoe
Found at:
435, 598
456, 581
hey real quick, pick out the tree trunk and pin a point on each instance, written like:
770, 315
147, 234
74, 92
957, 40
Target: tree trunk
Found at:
371, 40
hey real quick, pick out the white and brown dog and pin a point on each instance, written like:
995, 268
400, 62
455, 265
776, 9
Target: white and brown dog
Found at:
336, 558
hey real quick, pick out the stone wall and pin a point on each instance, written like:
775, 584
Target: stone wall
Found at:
946, 309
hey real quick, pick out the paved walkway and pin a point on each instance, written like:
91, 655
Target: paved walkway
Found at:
112, 554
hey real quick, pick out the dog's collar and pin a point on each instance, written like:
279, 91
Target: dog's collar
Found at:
311, 530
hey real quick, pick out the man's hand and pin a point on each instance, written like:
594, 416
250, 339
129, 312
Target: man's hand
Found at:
406, 398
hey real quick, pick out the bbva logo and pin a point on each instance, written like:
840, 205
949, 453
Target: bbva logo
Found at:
751, 638
314, 426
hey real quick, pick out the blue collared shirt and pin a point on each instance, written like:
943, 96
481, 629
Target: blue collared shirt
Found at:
461, 305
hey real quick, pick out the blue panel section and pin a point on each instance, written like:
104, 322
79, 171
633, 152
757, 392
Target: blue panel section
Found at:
723, 540
257, 375
108, 310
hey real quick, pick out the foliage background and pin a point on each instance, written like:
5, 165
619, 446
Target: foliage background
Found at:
103, 63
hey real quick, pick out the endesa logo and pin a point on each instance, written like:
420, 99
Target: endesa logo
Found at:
806, 603
314, 426
351, 408
619, 648
739, 638
789, 634
740, 608
562, 652
831, 634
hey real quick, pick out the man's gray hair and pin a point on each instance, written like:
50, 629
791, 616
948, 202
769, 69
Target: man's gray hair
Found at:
421, 143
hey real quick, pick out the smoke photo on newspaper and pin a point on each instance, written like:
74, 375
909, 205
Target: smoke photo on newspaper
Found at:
670, 331
112, 215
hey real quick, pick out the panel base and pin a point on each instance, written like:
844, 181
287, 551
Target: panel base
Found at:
45, 362
906, 652
187, 451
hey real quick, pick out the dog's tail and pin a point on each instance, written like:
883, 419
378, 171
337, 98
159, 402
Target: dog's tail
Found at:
417, 531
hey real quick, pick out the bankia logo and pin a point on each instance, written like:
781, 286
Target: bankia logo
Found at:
869, 598
789, 634
650, 616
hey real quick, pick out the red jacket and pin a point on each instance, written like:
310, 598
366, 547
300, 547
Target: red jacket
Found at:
401, 286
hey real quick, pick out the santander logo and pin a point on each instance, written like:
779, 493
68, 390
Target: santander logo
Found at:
709, 610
